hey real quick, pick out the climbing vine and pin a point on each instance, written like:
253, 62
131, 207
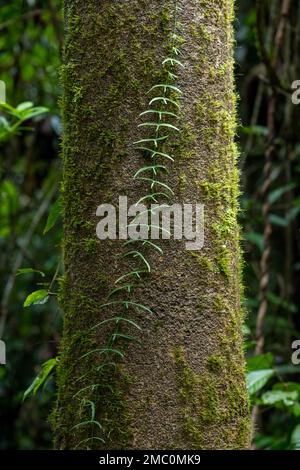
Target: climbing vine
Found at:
159, 120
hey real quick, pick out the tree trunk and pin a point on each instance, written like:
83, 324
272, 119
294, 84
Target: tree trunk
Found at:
183, 386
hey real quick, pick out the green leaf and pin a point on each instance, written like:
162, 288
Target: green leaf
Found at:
152, 168
158, 125
273, 397
127, 304
257, 379
159, 112
295, 438
145, 242
287, 386
278, 221
24, 106
138, 254
165, 87
154, 153
263, 361
292, 214
153, 197
153, 140
255, 238
127, 287
7, 107
37, 297
88, 422
172, 61
295, 409
279, 301
103, 351
29, 270
118, 320
136, 273
31, 113
275, 195
115, 336
156, 183
255, 130
47, 369
88, 439
164, 100
54, 213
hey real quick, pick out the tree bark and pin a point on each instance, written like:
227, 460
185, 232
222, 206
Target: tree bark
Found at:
184, 386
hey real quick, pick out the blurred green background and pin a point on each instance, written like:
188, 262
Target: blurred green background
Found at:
31, 40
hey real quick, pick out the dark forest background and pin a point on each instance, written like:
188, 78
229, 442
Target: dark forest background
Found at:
267, 62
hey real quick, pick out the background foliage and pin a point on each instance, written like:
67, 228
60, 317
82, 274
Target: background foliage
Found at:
30, 45
30, 41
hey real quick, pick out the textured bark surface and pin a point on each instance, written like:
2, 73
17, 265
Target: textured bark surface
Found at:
184, 387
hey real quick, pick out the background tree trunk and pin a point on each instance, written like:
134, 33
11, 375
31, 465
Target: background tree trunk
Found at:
184, 386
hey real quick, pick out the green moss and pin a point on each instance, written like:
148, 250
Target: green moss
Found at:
211, 190
184, 145
212, 400
90, 245
224, 261
113, 409
182, 181
215, 363
204, 261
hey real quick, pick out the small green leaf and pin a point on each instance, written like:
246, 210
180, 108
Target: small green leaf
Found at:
156, 183
263, 361
165, 87
158, 125
153, 197
47, 369
29, 270
275, 195
136, 254
24, 106
118, 320
257, 379
128, 304
255, 130
164, 100
278, 221
88, 422
37, 297
160, 112
273, 397
255, 238
103, 351
153, 140
145, 242
154, 153
115, 336
54, 213
153, 168
172, 61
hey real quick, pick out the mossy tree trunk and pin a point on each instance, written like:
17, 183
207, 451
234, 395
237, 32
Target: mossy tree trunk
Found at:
184, 386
